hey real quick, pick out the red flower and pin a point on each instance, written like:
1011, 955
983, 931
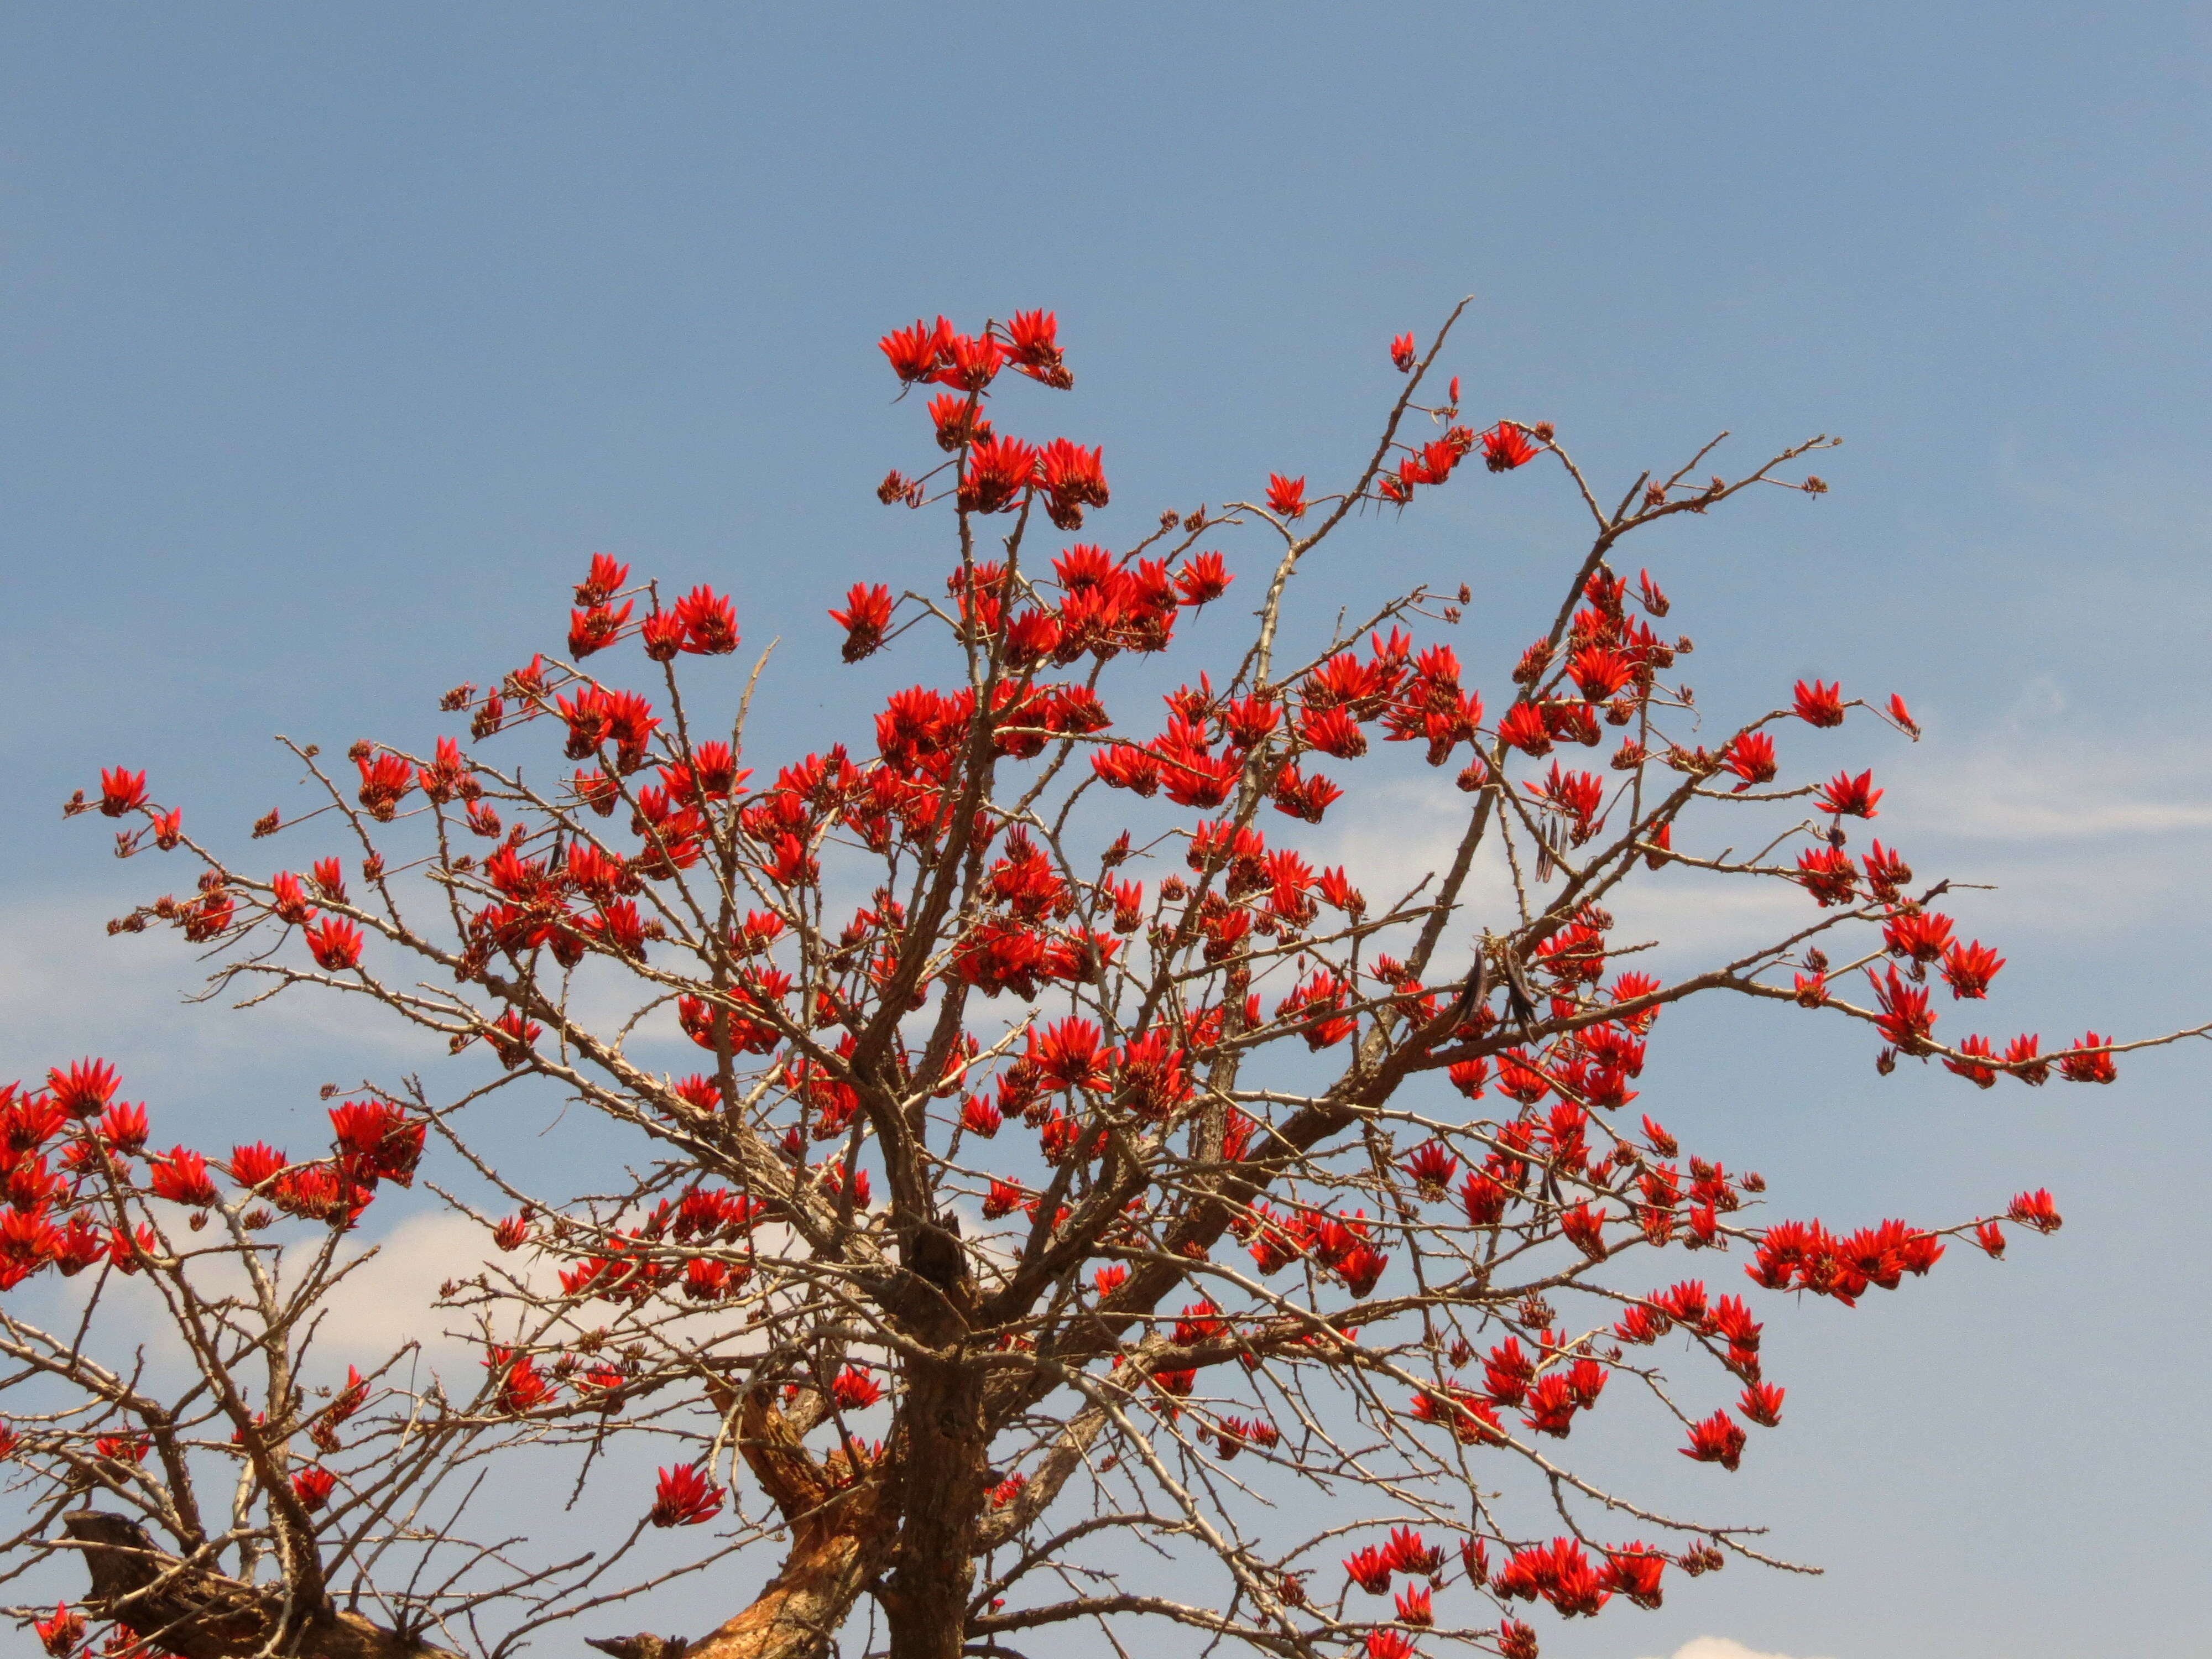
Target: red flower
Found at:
1886, 873
511, 1037
1370, 1569
121, 792
1732, 1319
1551, 1405
1516, 1640
1599, 671
685, 1498
1641, 1325
1361, 1267
250, 1166
914, 352
1924, 937
2037, 1210
1404, 353
1762, 1404
123, 1126
1431, 1167
1818, 704
313, 1486
1990, 1237
1470, 1420
385, 781
1067, 1054
1750, 756
1973, 1053
1715, 1440
970, 362
336, 943
1468, 1076
1390, 1644
1828, 874
1903, 716
1504, 447
1411, 1555
997, 474
1123, 767
867, 613
832, 1183
706, 1281
1635, 1572
126, 1447
1301, 797
2087, 1061
1287, 496
854, 1390
1203, 579
1969, 968
182, 1176
1033, 344
979, 1117
1333, 732
288, 900
521, 1388
1571, 1584
710, 623
595, 630
1905, 1019
2021, 1057
60, 1634
959, 422
1855, 796
1584, 1226
86, 1088
602, 582
1073, 478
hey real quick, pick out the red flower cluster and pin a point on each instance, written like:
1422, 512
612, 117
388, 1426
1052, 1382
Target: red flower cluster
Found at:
1803, 1256
1561, 1572
1340, 1244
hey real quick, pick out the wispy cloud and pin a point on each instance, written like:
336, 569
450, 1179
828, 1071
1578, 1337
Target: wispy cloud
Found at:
1721, 1647
2039, 787
1699, 919
70, 986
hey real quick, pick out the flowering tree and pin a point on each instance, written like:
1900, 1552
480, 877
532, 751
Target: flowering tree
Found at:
1065, 1157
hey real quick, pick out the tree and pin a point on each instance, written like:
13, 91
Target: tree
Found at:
1058, 1165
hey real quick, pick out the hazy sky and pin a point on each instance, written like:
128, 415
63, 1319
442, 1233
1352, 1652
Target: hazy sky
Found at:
336, 338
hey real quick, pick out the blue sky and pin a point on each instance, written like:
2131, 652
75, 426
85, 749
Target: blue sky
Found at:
336, 339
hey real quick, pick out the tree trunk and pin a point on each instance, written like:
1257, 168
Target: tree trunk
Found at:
925, 1597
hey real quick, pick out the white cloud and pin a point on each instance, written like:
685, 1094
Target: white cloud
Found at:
380, 1307
2077, 837
65, 981
1720, 1647
387, 1302
1699, 919
2028, 788
390, 1301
